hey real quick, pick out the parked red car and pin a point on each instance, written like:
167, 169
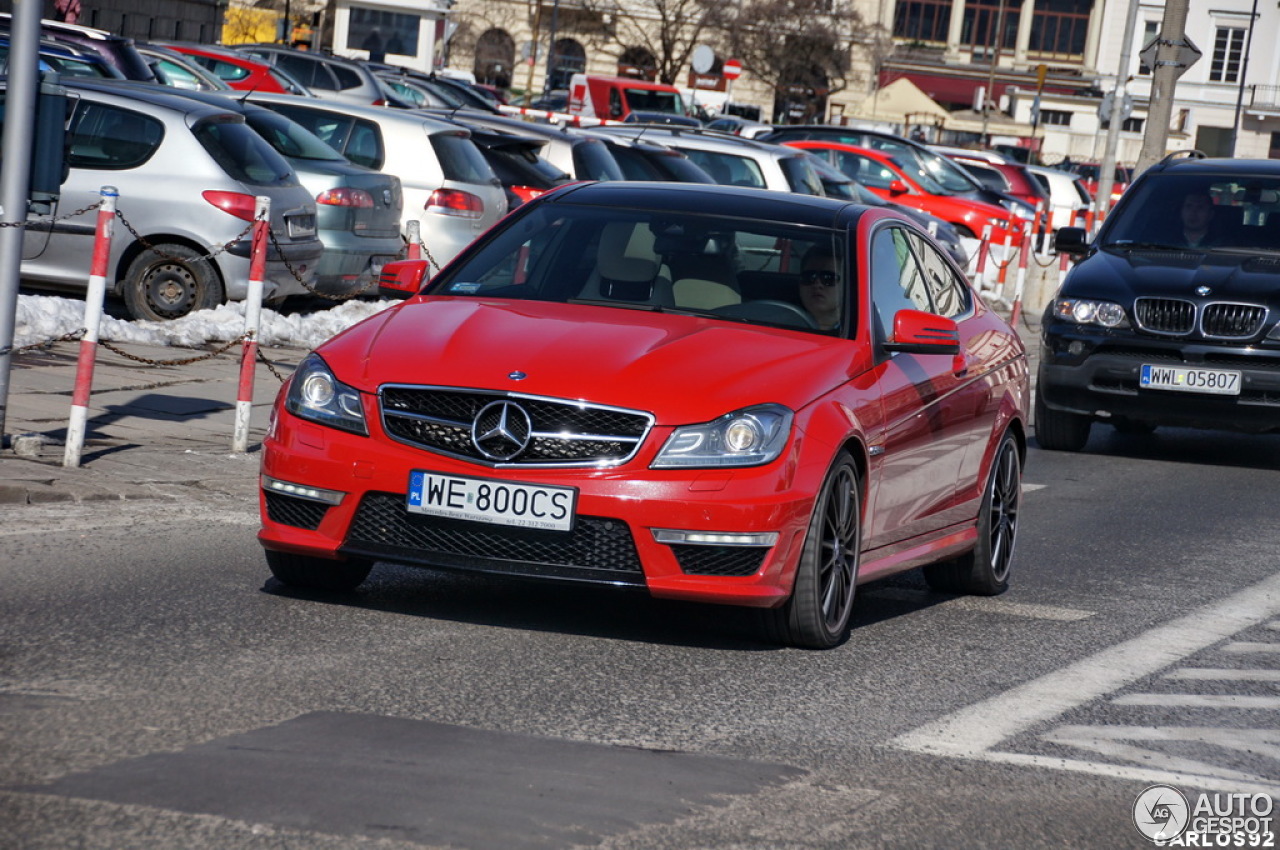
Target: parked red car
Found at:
996, 171
913, 187
240, 71
710, 393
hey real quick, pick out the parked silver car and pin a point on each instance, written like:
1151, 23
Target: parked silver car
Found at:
448, 186
329, 77
188, 175
733, 160
358, 209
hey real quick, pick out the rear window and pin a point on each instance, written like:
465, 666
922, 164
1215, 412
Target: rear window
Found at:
290, 138
592, 160
111, 138
242, 153
224, 70
460, 160
347, 78
801, 176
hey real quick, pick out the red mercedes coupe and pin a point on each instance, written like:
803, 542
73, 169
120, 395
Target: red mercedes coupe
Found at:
708, 393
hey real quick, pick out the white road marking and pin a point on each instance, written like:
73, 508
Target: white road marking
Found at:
1241, 647
989, 604
1224, 675
974, 732
1120, 742
1199, 701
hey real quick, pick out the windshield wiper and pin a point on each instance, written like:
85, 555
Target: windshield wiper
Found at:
1134, 244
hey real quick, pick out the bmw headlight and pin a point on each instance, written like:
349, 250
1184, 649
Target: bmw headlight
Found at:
749, 437
315, 394
1083, 311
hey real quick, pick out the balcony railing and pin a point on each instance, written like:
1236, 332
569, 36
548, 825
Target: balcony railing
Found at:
1265, 97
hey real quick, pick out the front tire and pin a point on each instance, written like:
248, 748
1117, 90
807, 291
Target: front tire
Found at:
817, 614
1058, 430
317, 573
984, 571
170, 281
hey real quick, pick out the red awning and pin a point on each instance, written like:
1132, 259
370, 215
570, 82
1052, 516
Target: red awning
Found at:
946, 90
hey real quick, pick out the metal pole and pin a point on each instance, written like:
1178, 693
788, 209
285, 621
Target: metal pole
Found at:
551, 47
989, 94
15, 172
1164, 79
1107, 167
1244, 72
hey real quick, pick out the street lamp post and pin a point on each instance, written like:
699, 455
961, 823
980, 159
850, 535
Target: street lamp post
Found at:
551, 48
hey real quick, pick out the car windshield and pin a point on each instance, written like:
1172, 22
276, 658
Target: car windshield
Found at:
290, 138
742, 270
943, 176
1242, 213
651, 100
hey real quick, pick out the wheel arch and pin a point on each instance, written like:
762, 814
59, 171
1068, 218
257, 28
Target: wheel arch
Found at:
137, 246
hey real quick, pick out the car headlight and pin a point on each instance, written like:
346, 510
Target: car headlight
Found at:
315, 394
749, 437
1083, 311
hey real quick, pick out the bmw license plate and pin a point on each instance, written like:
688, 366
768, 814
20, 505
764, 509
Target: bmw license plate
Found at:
1183, 379
497, 502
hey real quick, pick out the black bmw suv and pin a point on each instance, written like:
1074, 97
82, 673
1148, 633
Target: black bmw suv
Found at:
1170, 316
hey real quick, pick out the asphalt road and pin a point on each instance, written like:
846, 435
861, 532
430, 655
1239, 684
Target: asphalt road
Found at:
158, 690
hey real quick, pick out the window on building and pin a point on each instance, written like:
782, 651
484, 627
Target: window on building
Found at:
1228, 52
1149, 31
1133, 125
922, 20
983, 21
1059, 27
1056, 117
1274, 152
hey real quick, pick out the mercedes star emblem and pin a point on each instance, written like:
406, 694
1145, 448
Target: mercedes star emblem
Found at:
501, 430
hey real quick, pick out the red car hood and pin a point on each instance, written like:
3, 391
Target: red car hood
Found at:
681, 368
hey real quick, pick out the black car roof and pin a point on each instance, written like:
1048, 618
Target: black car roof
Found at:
712, 199
1215, 166
156, 95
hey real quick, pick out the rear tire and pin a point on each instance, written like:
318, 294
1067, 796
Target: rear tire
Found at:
984, 571
1057, 430
169, 282
317, 573
818, 612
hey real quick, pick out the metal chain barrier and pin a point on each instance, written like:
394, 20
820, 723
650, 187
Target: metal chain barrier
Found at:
44, 221
272, 367
70, 336
226, 246
218, 352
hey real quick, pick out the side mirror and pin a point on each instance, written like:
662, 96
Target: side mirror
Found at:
1071, 240
918, 332
897, 187
402, 278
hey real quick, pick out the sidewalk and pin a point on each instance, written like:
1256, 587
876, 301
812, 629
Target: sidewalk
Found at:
153, 431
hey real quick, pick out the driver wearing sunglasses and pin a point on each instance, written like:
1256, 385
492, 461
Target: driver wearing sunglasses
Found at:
820, 290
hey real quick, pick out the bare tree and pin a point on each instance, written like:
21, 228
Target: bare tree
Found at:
668, 30
801, 43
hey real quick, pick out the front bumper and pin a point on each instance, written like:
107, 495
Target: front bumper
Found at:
1098, 375
613, 539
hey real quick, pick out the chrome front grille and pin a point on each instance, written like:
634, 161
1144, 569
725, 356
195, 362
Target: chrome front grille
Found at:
1165, 315
1217, 320
1232, 321
552, 432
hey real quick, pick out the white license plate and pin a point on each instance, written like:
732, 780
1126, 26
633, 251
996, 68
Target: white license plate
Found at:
1212, 381
497, 502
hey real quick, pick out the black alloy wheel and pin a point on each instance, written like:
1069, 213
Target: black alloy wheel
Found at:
818, 612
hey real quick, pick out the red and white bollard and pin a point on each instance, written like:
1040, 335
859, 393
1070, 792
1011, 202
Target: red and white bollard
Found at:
252, 318
1004, 264
1021, 282
413, 251
93, 302
980, 258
